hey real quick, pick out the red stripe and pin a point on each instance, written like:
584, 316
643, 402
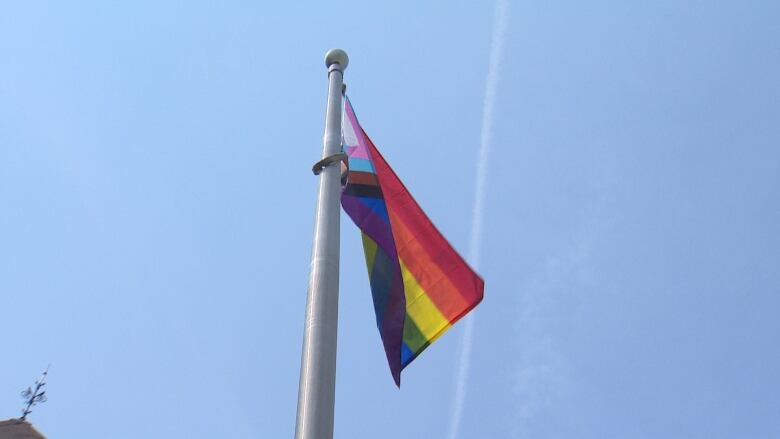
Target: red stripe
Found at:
424, 250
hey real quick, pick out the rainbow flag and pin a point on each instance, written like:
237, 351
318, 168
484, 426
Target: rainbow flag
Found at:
420, 284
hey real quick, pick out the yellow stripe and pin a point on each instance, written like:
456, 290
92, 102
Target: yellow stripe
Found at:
419, 307
369, 248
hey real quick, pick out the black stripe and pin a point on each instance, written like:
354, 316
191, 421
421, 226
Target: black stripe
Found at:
361, 190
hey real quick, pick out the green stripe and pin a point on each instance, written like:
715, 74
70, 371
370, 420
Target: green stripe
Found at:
413, 337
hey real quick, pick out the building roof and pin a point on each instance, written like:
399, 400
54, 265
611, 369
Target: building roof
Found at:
16, 429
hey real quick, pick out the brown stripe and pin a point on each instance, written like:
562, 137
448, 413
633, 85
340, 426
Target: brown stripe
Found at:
364, 178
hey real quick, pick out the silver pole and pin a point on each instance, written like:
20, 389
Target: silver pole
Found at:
317, 386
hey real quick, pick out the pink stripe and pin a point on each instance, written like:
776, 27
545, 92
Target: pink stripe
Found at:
361, 150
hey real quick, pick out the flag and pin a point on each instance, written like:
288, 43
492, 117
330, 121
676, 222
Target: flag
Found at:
420, 285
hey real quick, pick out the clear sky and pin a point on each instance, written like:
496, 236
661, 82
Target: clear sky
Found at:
156, 213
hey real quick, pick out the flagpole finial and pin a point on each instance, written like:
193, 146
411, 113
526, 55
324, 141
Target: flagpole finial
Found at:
336, 56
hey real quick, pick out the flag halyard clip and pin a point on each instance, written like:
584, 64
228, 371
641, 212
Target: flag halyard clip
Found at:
327, 161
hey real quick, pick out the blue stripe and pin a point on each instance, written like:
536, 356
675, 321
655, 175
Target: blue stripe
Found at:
406, 355
381, 278
378, 206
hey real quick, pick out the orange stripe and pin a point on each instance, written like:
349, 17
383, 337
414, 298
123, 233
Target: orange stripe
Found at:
430, 276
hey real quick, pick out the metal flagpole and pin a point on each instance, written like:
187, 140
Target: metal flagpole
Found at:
317, 386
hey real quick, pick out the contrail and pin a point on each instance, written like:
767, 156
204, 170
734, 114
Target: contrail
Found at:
500, 19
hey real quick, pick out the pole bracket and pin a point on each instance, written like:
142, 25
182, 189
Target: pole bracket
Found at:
327, 161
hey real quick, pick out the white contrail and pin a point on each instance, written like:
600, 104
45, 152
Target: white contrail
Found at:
500, 19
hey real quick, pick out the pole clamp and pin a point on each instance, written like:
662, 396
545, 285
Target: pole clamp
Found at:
327, 161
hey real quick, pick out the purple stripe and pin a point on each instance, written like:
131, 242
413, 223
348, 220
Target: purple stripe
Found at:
370, 223
392, 327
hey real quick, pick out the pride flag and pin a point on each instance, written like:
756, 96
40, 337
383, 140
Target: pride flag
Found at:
420, 284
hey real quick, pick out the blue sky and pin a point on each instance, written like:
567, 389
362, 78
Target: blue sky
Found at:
156, 210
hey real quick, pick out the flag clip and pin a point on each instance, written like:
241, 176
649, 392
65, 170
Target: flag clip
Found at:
327, 161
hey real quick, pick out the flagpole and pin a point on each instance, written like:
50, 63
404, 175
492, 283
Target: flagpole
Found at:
317, 385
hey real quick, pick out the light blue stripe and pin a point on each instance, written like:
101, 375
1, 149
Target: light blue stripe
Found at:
361, 165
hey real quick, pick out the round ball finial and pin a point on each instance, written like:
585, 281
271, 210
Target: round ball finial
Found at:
336, 56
